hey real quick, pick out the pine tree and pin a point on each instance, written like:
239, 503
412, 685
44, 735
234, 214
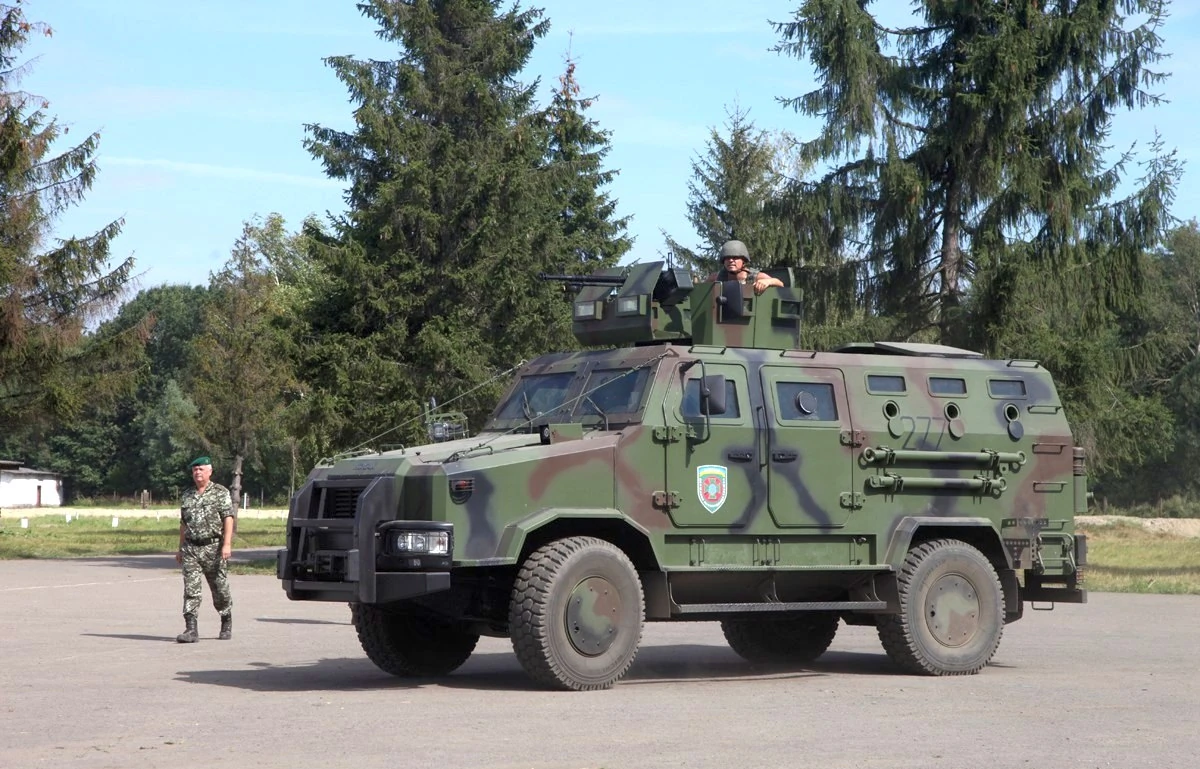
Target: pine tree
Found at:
457, 200
973, 142
50, 288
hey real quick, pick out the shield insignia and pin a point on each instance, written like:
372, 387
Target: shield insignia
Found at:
712, 486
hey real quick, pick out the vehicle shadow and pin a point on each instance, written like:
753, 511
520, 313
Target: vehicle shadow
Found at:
500, 671
300, 621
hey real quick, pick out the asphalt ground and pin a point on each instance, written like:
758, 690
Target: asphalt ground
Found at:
90, 676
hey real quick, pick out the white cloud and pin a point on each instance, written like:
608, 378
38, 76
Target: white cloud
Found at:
222, 172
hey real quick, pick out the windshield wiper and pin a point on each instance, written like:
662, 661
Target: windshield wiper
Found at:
588, 399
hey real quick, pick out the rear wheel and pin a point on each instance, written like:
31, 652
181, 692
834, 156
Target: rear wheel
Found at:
409, 644
951, 611
576, 614
794, 640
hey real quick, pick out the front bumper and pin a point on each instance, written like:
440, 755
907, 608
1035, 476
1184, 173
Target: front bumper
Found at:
381, 587
342, 545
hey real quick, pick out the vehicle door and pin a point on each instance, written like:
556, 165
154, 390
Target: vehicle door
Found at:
711, 464
810, 459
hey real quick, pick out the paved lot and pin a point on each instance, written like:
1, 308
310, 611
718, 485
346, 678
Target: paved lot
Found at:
90, 676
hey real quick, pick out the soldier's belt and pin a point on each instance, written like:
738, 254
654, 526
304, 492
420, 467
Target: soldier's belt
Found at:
204, 541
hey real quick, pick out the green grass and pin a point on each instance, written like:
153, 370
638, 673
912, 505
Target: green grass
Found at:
1124, 558
90, 537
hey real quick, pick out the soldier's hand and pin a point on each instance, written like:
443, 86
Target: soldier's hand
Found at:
179, 555
226, 552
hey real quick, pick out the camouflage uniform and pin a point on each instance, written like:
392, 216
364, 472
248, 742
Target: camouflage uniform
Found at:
203, 515
724, 275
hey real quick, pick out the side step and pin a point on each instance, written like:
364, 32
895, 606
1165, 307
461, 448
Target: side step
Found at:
757, 607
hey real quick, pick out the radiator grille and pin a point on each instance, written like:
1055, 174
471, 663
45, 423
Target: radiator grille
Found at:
339, 502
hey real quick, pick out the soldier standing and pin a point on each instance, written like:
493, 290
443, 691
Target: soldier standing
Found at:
205, 544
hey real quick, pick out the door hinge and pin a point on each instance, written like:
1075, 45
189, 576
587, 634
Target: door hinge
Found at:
852, 500
853, 438
665, 500
668, 434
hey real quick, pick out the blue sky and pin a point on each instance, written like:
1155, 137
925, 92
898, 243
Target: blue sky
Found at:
201, 106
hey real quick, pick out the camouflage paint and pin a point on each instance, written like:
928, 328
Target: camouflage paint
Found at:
813, 486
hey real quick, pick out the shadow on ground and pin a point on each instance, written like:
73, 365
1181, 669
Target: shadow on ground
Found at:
500, 671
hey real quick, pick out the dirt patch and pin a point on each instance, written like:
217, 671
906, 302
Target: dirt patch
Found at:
1179, 527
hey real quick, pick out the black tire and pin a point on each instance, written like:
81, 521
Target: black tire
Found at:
555, 643
951, 611
791, 641
410, 644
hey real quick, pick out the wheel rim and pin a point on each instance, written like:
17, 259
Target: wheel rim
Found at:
952, 610
593, 610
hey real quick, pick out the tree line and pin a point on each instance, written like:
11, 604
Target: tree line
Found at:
960, 191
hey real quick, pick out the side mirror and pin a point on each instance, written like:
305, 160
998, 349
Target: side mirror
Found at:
712, 395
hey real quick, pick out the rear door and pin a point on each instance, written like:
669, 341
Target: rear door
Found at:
810, 464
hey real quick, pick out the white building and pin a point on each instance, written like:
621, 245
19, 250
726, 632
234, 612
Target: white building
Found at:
26, 487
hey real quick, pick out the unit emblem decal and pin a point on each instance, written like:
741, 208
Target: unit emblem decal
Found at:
712, 486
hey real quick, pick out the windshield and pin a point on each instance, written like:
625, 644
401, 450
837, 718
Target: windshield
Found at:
536, 396
614, 395
613, 391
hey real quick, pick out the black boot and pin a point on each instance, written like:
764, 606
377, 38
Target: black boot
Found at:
190, 635
226, 628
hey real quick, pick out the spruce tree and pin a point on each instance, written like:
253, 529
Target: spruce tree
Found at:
239, 371
458, 198
51, 288
743, 169
972, 143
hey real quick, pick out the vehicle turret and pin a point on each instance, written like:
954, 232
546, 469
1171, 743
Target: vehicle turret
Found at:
649, 303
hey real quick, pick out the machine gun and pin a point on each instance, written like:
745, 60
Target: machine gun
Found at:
572, 283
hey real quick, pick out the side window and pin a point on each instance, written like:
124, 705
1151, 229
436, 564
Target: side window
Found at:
811, 401
885, 383
945, 385
1006, 388
691, 400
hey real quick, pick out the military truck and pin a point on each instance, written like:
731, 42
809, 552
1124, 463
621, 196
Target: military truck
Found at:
704, 467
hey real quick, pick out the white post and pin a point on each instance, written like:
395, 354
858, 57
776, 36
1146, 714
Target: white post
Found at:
245, 501
24, 523
115, 522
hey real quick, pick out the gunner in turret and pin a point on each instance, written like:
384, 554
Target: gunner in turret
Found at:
735, 258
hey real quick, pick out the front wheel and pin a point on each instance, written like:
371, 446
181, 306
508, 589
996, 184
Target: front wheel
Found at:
951, 611
411, 644
576, 614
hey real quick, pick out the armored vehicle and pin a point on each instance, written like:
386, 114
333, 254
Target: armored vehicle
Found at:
706, 468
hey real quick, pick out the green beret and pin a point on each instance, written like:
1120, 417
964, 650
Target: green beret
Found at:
200, 461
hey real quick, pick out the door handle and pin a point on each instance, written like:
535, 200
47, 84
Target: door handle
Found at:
740, 456
783, 456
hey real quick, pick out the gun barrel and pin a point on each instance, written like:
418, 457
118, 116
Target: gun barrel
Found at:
585, 280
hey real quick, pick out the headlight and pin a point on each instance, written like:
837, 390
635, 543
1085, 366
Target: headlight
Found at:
421, 542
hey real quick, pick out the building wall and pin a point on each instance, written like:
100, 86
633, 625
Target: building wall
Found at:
21, 489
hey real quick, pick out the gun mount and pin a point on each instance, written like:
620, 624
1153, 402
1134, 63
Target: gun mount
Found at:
649, 303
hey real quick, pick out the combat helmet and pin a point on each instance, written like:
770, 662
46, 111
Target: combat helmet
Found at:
735, 248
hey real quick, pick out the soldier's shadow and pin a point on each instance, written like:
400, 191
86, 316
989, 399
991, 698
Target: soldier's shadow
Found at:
131, 637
